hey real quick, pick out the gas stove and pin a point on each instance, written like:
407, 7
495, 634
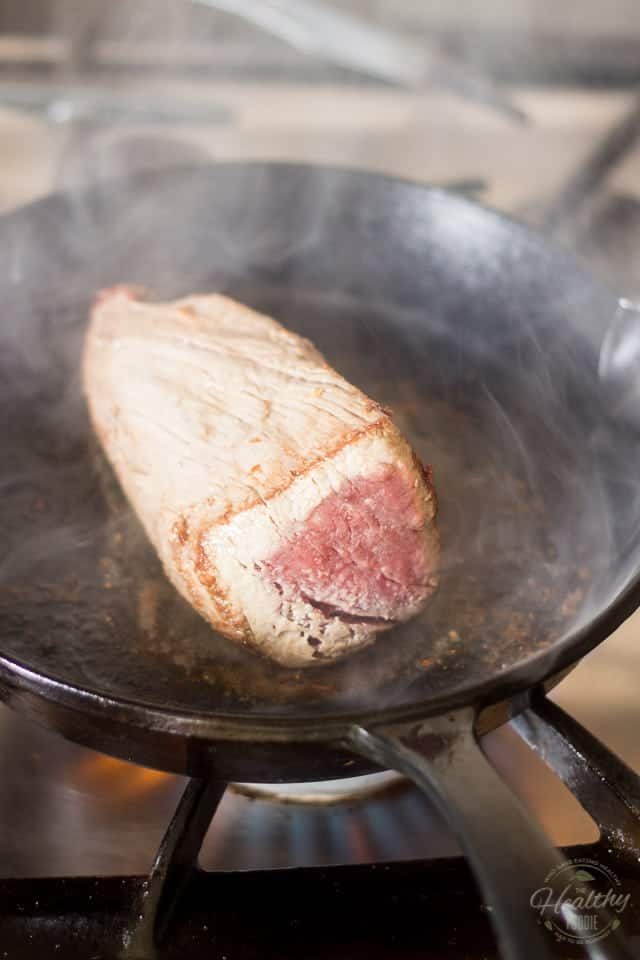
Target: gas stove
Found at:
363, 867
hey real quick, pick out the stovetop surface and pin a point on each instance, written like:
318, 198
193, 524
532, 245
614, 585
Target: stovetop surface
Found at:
68, 812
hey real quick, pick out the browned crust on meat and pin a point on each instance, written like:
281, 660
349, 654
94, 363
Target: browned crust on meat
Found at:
180, 530
384, 425
187, 551
202, 565
220, 597
381, 426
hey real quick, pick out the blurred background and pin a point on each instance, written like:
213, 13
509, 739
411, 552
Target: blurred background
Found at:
531, 106
509, 96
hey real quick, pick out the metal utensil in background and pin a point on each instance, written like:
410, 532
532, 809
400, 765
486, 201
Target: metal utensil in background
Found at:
562, 212
371, 50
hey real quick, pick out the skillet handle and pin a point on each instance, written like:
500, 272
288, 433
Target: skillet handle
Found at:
508, 853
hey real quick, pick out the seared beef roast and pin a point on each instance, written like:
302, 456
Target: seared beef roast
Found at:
284, 503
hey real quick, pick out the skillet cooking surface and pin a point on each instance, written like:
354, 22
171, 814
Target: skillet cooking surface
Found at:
482, 340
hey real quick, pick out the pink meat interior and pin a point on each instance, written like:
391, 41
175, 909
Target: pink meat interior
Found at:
361, 554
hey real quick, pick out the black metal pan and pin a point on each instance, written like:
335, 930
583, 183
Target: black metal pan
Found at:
506, 364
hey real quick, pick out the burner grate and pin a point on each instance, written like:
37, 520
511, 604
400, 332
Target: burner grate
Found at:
391, 912
378, 910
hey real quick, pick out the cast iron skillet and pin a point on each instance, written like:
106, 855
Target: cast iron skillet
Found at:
500, 356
